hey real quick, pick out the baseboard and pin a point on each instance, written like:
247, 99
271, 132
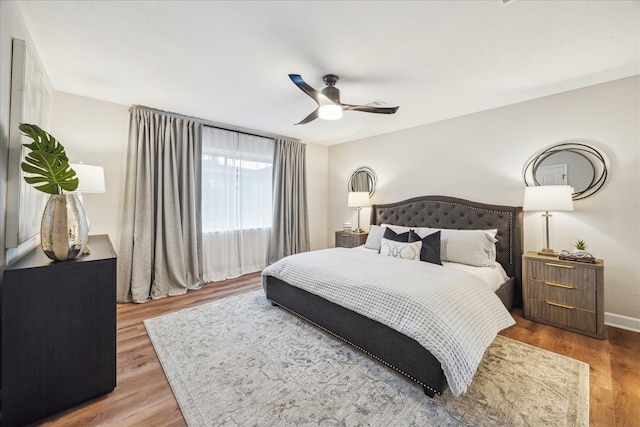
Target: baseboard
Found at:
622, 322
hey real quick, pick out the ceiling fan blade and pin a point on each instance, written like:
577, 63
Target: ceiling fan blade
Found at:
319, 97
310, 117
297, 79
370, 109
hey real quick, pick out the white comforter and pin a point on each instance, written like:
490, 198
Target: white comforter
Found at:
449, 312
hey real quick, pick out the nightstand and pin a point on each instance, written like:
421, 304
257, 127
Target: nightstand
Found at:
349, 239
565, 294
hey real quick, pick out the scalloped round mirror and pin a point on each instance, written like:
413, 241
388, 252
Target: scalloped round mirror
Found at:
362, 179
575, 164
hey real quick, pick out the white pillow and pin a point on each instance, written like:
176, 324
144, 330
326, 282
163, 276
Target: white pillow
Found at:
471, 247
410, 251
375, 237
399, 228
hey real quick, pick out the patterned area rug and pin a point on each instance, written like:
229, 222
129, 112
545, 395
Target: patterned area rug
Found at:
240, 361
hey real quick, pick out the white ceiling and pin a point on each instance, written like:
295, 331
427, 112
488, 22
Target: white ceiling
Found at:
227, 61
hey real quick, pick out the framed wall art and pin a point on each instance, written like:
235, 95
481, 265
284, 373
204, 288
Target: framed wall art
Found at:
30, 103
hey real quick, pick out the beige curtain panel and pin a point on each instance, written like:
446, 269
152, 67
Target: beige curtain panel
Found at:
290, 231
161, 247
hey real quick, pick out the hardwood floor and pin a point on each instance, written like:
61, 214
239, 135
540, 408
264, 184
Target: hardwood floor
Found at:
143, 396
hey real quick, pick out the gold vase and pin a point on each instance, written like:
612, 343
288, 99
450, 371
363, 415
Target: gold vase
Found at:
64, 230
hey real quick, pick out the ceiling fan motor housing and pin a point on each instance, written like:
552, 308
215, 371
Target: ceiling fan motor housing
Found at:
331, 91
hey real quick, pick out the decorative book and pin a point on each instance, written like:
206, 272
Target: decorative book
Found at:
587, 259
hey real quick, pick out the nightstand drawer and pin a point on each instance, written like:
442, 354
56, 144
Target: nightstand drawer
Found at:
345, 239
562, 274
563, 294
568, 316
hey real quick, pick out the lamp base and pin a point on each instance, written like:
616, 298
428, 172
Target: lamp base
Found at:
547, 252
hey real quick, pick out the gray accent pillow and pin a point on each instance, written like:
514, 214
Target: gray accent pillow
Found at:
396, 237
430, 251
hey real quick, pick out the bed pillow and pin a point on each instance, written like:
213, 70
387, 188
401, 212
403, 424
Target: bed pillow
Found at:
409, 251
374, 238
430, 251
471, 247
397, 228
396, 237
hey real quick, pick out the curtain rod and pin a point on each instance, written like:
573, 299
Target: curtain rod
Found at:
212, 124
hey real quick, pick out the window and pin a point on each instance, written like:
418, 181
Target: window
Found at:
236, 181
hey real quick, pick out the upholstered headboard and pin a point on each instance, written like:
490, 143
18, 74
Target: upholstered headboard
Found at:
450, 212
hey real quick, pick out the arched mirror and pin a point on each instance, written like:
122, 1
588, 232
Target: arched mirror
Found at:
575, 164
362, 179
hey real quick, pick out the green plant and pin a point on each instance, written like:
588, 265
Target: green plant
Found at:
580, 245
47, 163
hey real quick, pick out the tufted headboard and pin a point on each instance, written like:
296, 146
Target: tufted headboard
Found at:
450, 212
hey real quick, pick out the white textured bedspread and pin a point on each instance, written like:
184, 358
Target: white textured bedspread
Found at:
449, 312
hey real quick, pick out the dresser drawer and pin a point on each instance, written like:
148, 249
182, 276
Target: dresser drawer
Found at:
563, 294
549, 312
562, 274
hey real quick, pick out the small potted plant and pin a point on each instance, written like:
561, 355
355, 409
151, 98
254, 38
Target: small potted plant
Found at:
580, 248
64, 230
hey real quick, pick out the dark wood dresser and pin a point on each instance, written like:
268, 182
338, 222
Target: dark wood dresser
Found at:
58, 332
566, 294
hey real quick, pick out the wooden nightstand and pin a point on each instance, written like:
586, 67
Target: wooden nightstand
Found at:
566, 294
349, 239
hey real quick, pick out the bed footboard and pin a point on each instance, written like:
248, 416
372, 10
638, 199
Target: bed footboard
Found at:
385, 344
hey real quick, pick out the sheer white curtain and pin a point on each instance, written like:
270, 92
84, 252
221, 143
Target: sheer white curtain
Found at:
236, 202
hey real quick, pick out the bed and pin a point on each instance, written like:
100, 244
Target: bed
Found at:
396, 349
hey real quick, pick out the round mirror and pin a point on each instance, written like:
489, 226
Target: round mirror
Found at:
575, 164
362, 179
565, 167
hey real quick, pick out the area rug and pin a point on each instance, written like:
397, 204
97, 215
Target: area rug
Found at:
241, 361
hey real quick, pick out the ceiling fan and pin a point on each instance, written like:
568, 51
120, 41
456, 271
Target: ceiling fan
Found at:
328, 99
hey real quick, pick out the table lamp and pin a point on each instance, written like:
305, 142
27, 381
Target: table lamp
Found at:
91, 180
547, 198
358, 200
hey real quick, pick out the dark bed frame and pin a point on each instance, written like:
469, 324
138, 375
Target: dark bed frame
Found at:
385, 344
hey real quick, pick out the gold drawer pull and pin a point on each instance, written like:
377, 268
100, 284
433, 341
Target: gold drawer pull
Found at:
559, 285
559, 305
558, 265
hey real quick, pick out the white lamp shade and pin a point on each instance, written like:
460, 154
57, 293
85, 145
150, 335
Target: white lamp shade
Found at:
358, 199
548, 198
91, 178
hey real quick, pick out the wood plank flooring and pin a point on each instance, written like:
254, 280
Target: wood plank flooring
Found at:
143, 396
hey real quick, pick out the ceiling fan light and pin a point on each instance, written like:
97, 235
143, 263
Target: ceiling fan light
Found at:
330, 112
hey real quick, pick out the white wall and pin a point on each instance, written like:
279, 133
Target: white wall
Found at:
480, 157
317, 194
96, 133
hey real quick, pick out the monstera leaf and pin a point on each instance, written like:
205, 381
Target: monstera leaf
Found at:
47, 164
